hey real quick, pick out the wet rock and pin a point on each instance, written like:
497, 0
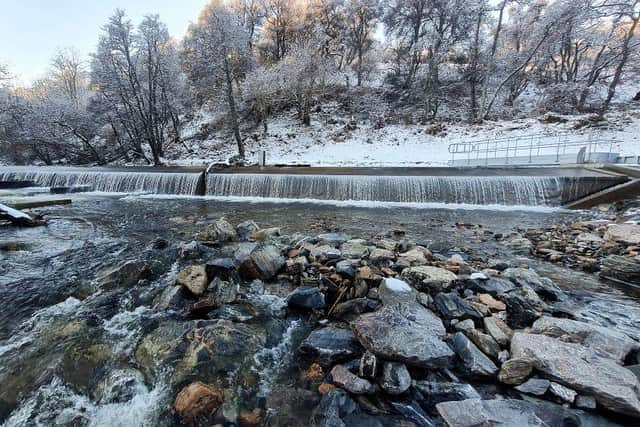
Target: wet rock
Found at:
485, 343
604, 341
333, 408
164, 344
515, 370
524, 307
578, 367
620, 268
563, 393
342, 377
246, 229
219, 231
345, 268
330, 345
395, 378
82, 361
409, 334
119, 386
628, 234
435, 392
194, 278
250, 419
352, 308
474, 363
173, 298
477, 412
263, 263
451, 306
534, 386
493, 286
197, 400
541, 285
429, 279
126, 274
306, 298
498, 330
393, 291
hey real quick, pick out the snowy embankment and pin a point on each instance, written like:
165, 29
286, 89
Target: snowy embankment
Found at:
340, 144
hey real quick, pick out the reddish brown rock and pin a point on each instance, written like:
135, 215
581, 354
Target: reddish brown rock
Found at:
197, 400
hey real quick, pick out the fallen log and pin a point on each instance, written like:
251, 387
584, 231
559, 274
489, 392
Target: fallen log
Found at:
19, 218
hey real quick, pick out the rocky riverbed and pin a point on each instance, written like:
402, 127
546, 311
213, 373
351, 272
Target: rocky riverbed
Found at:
235, 324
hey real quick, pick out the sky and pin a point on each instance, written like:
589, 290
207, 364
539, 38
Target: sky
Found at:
32, 30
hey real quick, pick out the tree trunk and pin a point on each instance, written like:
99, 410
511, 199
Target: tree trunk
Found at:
232, 109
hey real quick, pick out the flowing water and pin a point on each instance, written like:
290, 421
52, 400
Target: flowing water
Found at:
68, 345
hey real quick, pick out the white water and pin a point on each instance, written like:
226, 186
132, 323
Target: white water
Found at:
101, 179
474, 190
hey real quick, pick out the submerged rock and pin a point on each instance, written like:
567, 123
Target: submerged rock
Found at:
409, 334
580, 368
474, 363
126, 274
197, 400
330, 345
604, 341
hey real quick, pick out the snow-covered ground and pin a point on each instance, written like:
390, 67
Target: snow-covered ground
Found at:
339, 144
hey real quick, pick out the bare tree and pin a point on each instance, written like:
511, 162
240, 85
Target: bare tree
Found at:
362, 17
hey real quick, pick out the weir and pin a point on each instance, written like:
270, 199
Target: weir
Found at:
481, 186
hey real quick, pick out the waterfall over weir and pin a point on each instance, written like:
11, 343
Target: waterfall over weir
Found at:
478, 190
104, 179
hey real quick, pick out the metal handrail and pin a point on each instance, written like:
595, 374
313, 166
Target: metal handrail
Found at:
528, 146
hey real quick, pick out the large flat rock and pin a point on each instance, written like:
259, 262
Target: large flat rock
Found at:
582, 369
407, 333
604, 341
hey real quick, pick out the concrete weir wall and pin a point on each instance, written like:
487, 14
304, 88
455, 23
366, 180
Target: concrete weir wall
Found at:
501, 186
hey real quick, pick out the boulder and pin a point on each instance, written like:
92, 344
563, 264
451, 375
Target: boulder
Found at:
629, 234
264, 262
515, 370
581, 369
435, 392
219, 231
541, 285
197, 400
429, 279
451, 306
306, 298
194, 278
330, 345
477, 412
603, 341
524, 307
342, 377
395, 378
406, 333
475, 364
534, 386
620, 268
393, 291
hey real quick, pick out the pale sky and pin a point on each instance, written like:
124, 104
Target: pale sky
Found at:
32, 30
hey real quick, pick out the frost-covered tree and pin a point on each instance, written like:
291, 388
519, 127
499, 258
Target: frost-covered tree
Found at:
136, 72
216, 53
284, 24
361, 19
68, 71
